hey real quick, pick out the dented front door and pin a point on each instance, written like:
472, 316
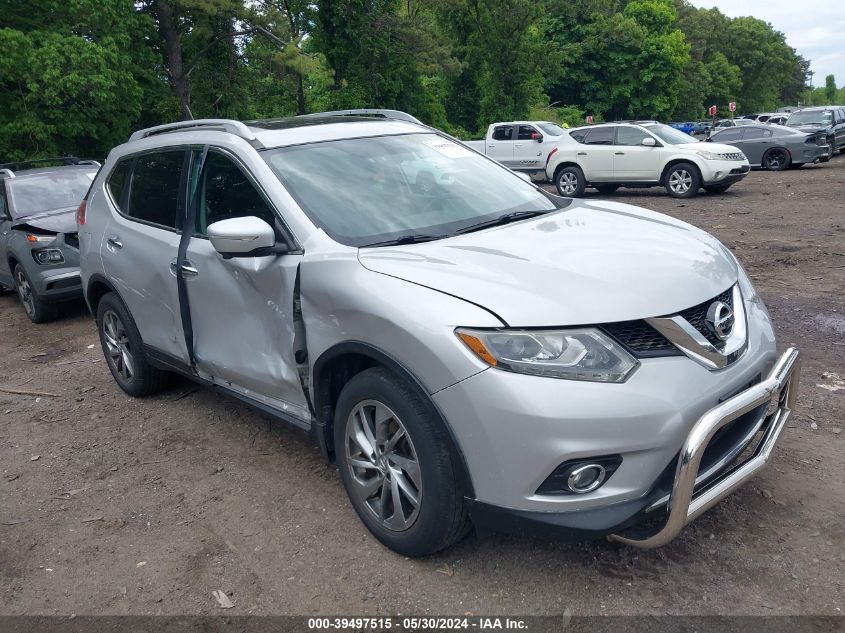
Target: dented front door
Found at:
241, 309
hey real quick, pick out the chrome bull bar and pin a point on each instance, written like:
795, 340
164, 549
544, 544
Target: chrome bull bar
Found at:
780, 388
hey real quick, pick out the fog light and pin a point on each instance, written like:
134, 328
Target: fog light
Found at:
586, 478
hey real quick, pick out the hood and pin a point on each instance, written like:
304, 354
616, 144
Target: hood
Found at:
593, 262
810, 128
55, 221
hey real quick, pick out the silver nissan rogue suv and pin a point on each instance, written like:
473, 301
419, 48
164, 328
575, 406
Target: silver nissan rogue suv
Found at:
467, 347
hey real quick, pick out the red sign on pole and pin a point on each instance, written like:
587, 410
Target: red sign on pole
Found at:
589, 119
732, 106
713, 110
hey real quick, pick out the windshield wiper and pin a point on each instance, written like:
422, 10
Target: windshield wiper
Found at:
507, 218
416, 238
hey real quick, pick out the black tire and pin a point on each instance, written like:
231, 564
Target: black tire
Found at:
830, 154
682, 180
440, 518
796, 165
141, 379
776, 159
606, 190
38, 310
717, 188
570, 182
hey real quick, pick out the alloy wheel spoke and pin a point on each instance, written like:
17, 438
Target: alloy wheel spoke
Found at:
357, 462
366, 488
394, 439
404, 486
127, 362
410, 466
398, 521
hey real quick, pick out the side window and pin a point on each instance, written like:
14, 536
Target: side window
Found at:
600, 136
117, 180
731, 134
630, 135
751, 133
226, 192
526, 133
579, 135
154, 191
503, 133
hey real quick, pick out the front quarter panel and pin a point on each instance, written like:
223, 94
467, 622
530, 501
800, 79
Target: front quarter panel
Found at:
343, 302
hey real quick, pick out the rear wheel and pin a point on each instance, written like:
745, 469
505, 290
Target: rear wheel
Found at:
124, 350
776, 159
570, 182
38, 310
606, 189
683, 180
396, 464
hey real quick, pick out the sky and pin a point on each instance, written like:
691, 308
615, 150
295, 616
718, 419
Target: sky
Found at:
814, 28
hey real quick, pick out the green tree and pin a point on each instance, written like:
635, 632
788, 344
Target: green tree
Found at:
830, 90
67, 79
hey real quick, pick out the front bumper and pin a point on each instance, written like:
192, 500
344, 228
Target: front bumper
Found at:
693, 487
724, 172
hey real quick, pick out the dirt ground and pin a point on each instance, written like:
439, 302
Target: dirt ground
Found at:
110, 505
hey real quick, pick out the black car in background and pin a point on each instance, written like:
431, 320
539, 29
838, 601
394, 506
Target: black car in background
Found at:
827, 119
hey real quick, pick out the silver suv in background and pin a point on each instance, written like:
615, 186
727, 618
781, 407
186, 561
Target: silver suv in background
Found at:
467, 347
39, 249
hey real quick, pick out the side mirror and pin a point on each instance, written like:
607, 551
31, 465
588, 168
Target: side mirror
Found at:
537, 137
243, 237
649, 142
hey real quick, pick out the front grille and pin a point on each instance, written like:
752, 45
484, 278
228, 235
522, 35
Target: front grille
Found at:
641, 339
72, 239
733, 156
696, 316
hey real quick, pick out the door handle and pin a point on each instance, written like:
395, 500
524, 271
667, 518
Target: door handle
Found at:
620, 153
188, 269
114, 241
582, 153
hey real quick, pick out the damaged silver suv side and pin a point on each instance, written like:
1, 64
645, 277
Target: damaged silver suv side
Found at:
468, 348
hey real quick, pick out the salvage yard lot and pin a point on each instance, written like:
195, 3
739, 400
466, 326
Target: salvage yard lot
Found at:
110, 505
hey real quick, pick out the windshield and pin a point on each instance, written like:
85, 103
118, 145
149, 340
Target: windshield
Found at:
551, 129
670, 135
810, 117
31, 195
365, 191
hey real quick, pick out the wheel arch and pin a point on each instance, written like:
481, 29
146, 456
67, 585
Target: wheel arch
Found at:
96, 288
563, 165
677, 161
337, 365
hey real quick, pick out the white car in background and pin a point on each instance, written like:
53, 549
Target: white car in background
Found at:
522, 146
646, 154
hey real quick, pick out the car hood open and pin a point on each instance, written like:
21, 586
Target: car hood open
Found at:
593, 262
55, 221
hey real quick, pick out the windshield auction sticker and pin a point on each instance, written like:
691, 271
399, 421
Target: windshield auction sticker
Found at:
447, 148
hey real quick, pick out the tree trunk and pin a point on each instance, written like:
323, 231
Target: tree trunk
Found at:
173, 50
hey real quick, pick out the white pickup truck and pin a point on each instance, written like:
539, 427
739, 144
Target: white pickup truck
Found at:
520, 145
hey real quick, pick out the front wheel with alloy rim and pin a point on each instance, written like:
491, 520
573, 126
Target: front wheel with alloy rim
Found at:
570, 182
124, 350
683, 180
396, 464
776, 159
38, 310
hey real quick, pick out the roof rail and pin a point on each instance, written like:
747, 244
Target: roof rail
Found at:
227, 125
372, 112
7, 172
23, 164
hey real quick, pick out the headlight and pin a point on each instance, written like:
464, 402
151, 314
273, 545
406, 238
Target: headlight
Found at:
46, 256
574, 354
707, 155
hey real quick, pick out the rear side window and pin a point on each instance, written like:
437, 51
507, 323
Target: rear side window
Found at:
154, 192
117, 181
599, 136
226, 192
503, 133
4, 212
732, 134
